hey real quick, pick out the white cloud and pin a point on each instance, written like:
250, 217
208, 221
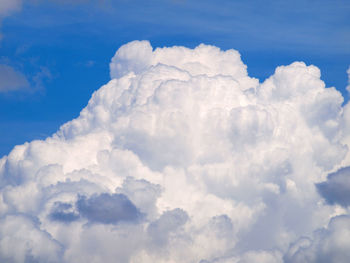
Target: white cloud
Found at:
11, 80
182, 157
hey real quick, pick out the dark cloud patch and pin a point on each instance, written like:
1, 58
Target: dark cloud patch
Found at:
107, 209
63, 212
336, 190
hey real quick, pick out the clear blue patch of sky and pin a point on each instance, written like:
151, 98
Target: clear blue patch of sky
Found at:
64, 48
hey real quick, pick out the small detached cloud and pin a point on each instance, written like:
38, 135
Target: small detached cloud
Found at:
12, 80
7, 7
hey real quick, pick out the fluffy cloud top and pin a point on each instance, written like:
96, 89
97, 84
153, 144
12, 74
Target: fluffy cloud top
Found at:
182, 157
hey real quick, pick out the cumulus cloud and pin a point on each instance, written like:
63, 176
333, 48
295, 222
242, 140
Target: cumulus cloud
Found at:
11, 80
182, 157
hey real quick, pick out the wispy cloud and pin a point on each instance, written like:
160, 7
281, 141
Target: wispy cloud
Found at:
12, 80
7, 7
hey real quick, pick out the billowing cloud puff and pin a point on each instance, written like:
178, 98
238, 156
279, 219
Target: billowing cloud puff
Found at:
182, 157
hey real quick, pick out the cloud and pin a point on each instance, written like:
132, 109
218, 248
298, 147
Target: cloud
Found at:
183, 157
12, 80
9, 6
40, 77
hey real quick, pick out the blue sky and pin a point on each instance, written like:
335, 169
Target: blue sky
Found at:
57, 52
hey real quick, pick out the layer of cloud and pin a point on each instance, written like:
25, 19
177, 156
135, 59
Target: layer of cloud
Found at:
11, 79
182, 157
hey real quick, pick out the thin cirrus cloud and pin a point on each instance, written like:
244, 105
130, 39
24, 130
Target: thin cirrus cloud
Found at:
183, 157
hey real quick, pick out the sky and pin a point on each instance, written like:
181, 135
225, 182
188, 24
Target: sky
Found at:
58, 51
174, 131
